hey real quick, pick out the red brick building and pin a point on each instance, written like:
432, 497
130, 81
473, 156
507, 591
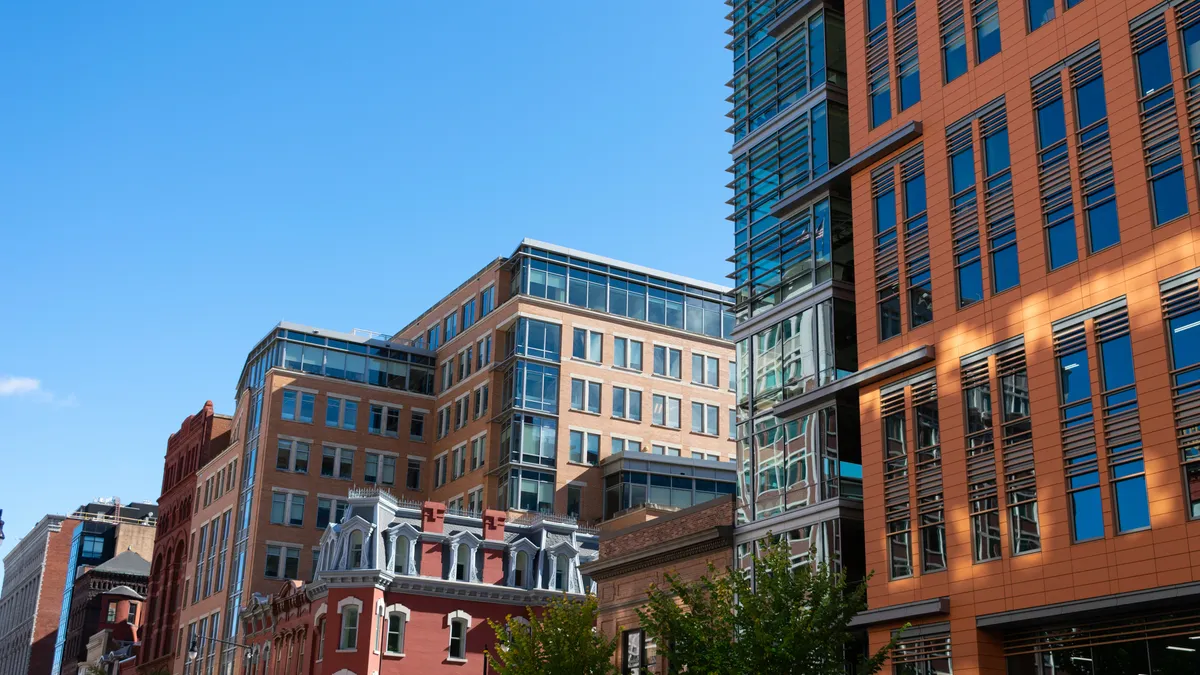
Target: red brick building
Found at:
408, 587
684, 543
199, 439
35, 572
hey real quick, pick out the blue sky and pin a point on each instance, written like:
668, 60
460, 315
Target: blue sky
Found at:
177, 177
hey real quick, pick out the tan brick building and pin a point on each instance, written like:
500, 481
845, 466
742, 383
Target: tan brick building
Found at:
550, 381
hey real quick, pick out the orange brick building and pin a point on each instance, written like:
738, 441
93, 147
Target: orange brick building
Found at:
1020, 182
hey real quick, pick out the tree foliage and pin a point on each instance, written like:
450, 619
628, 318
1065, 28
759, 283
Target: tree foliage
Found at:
793, 621
561, 640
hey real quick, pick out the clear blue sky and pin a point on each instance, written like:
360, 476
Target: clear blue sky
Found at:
177, 177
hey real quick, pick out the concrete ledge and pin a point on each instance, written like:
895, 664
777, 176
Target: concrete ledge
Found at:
873, 373
909, 610
1106, 606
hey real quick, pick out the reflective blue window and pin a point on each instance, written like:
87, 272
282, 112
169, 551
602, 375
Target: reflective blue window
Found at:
1133, 509
1154, 68
987, 34
970, 282
1090, 106
1051, 124
1167, 188
1073, 377
1060, 237
1041, 12
954, 54
962, 170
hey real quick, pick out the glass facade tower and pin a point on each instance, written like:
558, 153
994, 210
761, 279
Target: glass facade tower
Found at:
798, 437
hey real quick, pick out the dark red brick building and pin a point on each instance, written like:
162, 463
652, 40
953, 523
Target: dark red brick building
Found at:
200, 437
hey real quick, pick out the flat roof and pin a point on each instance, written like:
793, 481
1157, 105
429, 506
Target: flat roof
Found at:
641, 269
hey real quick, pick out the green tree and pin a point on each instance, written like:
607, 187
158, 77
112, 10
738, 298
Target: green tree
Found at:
561, 640
795, 621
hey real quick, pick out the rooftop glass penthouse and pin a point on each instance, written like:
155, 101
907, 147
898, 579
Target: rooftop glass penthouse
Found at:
356, 357
594, 282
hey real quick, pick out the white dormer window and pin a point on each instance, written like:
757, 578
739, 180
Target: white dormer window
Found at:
521, 570
463, 562
356, 549
561, 566
401, 566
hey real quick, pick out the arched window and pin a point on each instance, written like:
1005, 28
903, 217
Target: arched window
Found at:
461, 569
349, 627
401, 555
460, 623
356, 549
521, 571
397, 619
561, 565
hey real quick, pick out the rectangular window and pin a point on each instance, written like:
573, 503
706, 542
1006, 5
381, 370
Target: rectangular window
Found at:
1127, 470
665, 411
468, 314
623, 445
416, 427
585, 447
986, 14
413, 480
341, 413
478, 448
298, 405
585, 395
627, 353
627, 404
380, 469
283, 562
287, 508
705, 370
439, 470
292, 455
481, 401
954, 40
450, 326
704, 419
887, 284
329, 510
667, 362
981, 452
538, 339
448, 374
443, 420
1160, 132
433, 337
1075, 412
908, 71
483, 352
998, 200
530, 490
385, 420
896, 485
587, 345
487, 301
1039, 12
337, 462
574, 500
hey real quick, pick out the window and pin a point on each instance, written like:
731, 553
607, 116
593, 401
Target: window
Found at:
562, 571
465, 360
483, 352
395, 632
481, 401
458, 462
666, 450
468, 314
413, 480
954, 46
521, 570
356, 549
1002, 235
475, 502
585, 396
439, 470
920, 285
1127, 469
461, 411
349, 637
963, 203
448, 374
587, 345
337, 462
667, 361
450, 325
534, 386
478, 448
530, 490
287, 508
380, 469
1083, 478
623, 445
980, 442
329, 510
341, 413
1099, 193
627, 353
665, 411
298, 405
487, 301
1052, 154
112, 612
416, 427
888, 285
443, 421
928, 653
987, 29
458, 636
627, 404
538, 339
705, 370
1040, 13
1156, 96
385, 420
704, 419
585, 447
434, 337
899, 533
292, 455
732, 424
574, 500
908, 71
283, 562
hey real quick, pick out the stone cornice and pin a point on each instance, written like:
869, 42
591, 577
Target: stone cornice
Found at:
705, 541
